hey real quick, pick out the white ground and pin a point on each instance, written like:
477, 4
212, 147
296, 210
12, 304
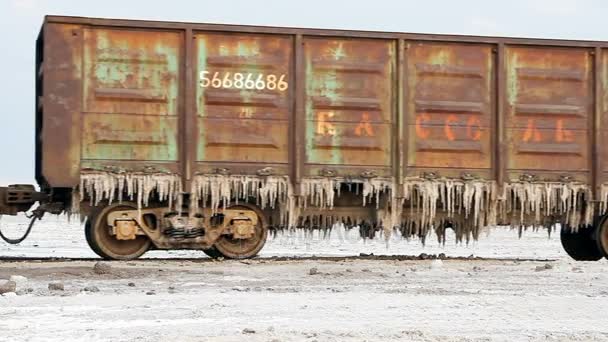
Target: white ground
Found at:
352, 300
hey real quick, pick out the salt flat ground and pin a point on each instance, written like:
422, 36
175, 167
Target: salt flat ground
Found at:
550, 298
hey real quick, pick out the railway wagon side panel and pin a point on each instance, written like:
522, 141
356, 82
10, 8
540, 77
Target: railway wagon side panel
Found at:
131, 99
116, 99
349, 106
549, 106
243, 102
449, 92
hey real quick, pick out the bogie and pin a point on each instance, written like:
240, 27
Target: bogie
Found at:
123, 232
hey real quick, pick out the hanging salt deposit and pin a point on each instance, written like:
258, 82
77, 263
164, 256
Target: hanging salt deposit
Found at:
425, 205
109, 186
317, 202
603, 207
466, 206
215, 191
469, 206
548, 203
321, 192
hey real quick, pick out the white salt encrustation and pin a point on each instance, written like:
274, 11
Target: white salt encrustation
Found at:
425, 204
215, 191
138, 187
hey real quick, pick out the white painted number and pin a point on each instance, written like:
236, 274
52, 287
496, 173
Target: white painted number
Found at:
227, 82
239, 80
216, 82
259, 83
271, 82
282, 83
249, 84
204, 80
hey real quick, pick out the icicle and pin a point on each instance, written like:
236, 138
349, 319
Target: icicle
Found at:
108, 186
468, 206
220, 190
547, 203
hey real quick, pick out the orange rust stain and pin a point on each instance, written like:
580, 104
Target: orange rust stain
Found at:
364, 127
422, 133
562, 135
532, 133
447, 129
323, 126
474, 128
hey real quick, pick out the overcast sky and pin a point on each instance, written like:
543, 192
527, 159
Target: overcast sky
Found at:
20, 22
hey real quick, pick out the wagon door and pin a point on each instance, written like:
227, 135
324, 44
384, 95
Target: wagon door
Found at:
131, 100
549, 98
348, 106
243, 104
449, 92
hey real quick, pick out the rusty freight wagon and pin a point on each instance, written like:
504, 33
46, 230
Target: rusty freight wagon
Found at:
180, 135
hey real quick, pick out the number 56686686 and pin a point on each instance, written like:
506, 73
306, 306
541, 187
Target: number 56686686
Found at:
240, 80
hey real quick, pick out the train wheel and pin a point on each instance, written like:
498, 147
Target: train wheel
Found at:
228, 247
580, 245
104, 244
602, 236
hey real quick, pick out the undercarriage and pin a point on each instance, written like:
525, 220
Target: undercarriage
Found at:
122, 231
238, 229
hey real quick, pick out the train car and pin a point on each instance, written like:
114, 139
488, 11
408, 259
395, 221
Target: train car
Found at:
167, 135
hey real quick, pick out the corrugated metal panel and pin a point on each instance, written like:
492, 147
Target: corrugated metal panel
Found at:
123, 95
349, 102
449, 106
243, 98
549, 98
131, 95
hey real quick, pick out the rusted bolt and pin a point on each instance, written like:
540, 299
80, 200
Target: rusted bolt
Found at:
222, 171
150, 168
369, 174
527, 177
267, 171
327, 173
467, 176
430, 175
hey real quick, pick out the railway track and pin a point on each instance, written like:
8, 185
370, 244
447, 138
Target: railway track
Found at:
420, 257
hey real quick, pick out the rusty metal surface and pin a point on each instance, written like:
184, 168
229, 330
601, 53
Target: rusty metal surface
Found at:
449, 105
242, 100
148, 24
59, 98
349, 87
548, 111
602, 124
131, 95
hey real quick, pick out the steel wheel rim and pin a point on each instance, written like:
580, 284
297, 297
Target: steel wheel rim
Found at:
109, 245
239, 248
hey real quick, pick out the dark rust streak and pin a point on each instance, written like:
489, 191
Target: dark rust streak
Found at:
404, 113
500, 99
298, 112
398, 115
189, 114
597, 148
